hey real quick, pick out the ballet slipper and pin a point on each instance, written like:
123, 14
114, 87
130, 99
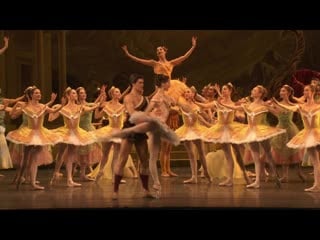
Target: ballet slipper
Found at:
73, 184
253, 185
37, 187
192, 180
226, 183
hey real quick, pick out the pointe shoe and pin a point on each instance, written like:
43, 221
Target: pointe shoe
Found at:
156, 186
192, 180
165, 174
226, 183
172, 174
54, 179
314, 188
253, 185
208, 178
247, 179
20, 181
73, 184
37, 187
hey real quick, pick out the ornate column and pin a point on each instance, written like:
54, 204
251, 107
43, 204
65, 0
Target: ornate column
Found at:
62, 61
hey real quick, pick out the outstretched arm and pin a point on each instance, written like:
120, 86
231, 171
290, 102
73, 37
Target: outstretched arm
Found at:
52, 99
179, 60
125, 92
11, 101
6, 44
293, 107
147, 62
233, 107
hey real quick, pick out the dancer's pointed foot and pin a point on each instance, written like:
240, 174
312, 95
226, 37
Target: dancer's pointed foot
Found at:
314, 188
71, 183
254, 185
156, 186
208, 177
192, 180
165, 174
37, 187
20, 181
172, 174
54, 178
247, 179
226, 183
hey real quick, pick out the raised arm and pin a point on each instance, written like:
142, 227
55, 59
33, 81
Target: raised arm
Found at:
275, 109
6, 44
148, 62
205, 105
98, 112
10, 101
16, 110
89, 109
293, 107
125, 92
52, 99
235, 107
55, 109
179, 60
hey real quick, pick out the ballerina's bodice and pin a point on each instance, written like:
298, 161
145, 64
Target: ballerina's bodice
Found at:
190, 119
71, 119
285, 119
256, 116
311, 119
115, 117
86, 119
163, 68
225, 115
34, 118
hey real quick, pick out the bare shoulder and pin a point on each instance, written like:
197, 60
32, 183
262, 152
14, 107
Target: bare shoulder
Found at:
127, 98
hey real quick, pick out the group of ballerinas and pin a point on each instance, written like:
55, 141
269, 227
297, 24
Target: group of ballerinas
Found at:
213, 120
255, 139
78, 140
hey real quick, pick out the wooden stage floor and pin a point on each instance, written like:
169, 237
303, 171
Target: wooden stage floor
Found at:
175, 194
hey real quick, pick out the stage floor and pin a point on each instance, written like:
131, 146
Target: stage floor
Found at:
175, 194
